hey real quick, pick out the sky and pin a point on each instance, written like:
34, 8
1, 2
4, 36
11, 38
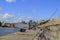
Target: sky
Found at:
18, 10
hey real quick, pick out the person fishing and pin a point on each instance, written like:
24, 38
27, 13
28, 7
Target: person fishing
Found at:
41, 35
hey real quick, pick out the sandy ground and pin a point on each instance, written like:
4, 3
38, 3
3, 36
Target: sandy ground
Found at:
29, 35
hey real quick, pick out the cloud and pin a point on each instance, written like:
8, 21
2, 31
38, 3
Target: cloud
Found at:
21, 17
1, 17
6, 15
30, 17
0, 8
9, 1
22, 0
10, 18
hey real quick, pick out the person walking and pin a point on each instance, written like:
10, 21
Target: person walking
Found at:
41, 35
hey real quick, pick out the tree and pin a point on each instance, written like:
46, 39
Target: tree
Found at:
24, 22
0, 24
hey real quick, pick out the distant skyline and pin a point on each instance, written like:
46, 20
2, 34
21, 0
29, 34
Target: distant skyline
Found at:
18, 10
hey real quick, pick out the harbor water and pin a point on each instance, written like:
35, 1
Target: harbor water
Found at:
5, 31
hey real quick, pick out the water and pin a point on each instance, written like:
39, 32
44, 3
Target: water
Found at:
5, 31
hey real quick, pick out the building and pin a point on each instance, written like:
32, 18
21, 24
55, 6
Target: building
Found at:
9, 25
17, 25
21, 25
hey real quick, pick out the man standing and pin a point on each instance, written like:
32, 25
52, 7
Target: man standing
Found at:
30, 24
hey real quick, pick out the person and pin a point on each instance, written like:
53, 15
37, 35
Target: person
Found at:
41, 35
30, 24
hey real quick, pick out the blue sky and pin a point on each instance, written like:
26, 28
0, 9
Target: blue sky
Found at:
18, 10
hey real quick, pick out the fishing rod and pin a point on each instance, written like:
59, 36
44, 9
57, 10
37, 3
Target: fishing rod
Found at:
35, 35
49, 17
53, 13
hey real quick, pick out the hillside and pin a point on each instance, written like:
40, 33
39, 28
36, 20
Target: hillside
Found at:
52, 29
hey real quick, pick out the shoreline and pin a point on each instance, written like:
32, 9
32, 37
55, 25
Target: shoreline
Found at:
8, 27
20, 35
